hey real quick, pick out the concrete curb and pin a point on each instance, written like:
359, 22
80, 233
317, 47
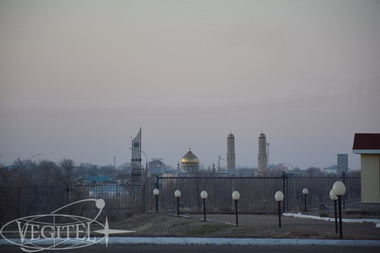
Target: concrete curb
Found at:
225, 241
241, 241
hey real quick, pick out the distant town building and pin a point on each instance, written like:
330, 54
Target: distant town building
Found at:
245, 171
123, 178
262, 157
95, 180
156, 167
231, 154
108, 191
342, 163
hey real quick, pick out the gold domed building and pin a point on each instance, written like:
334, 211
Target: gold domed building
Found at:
189, 162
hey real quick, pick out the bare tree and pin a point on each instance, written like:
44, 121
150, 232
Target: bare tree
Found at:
313, 172
67, 166
50, 173
108, 171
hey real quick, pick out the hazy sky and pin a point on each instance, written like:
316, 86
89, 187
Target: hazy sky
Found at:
79, 78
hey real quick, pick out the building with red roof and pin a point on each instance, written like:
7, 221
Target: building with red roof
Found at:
368, 146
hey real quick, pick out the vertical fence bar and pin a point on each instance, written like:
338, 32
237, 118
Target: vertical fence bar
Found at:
51, 198
344, 182
18, 202
35, 200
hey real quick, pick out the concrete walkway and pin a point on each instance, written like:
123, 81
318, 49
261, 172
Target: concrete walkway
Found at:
353, 230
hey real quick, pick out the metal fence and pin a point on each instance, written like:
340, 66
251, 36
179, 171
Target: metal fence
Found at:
122, 200
257, 193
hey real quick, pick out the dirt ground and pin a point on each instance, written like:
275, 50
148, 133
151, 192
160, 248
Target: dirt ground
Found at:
169, 225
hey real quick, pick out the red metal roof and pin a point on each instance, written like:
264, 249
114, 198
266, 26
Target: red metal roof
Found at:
366, 141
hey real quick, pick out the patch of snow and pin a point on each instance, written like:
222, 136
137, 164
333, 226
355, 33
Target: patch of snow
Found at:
299, 215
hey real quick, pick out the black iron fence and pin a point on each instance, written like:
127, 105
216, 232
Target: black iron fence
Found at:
257, 193
257, 196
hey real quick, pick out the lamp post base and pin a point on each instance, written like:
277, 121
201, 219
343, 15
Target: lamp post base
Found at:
336, 217
204, 209
177, 207
340, 217
236, 210
279, 214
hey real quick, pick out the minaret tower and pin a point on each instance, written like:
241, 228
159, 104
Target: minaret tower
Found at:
262, 158
231, 154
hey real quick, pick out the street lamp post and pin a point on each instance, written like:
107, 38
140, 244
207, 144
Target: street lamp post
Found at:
28, 160
339, 190
156, 192
279, 197
177, 194
236, 197
305, 191
34, 156
334, 198
204, 197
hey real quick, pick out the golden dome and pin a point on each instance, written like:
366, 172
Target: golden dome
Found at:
262, 135
189, 162
189, 157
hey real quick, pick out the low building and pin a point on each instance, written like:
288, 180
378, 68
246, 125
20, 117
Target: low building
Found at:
368, 146
97, 180
123, 178
105, 191
245, 171
156, 167
342, 165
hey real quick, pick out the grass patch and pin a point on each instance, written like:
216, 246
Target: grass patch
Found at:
207, 229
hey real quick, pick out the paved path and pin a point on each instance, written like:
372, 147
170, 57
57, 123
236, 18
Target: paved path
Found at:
350, 230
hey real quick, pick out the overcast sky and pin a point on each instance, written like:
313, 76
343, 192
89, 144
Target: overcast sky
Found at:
79, 78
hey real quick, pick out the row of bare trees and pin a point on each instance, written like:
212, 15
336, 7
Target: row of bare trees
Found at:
44, 172
47, 172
